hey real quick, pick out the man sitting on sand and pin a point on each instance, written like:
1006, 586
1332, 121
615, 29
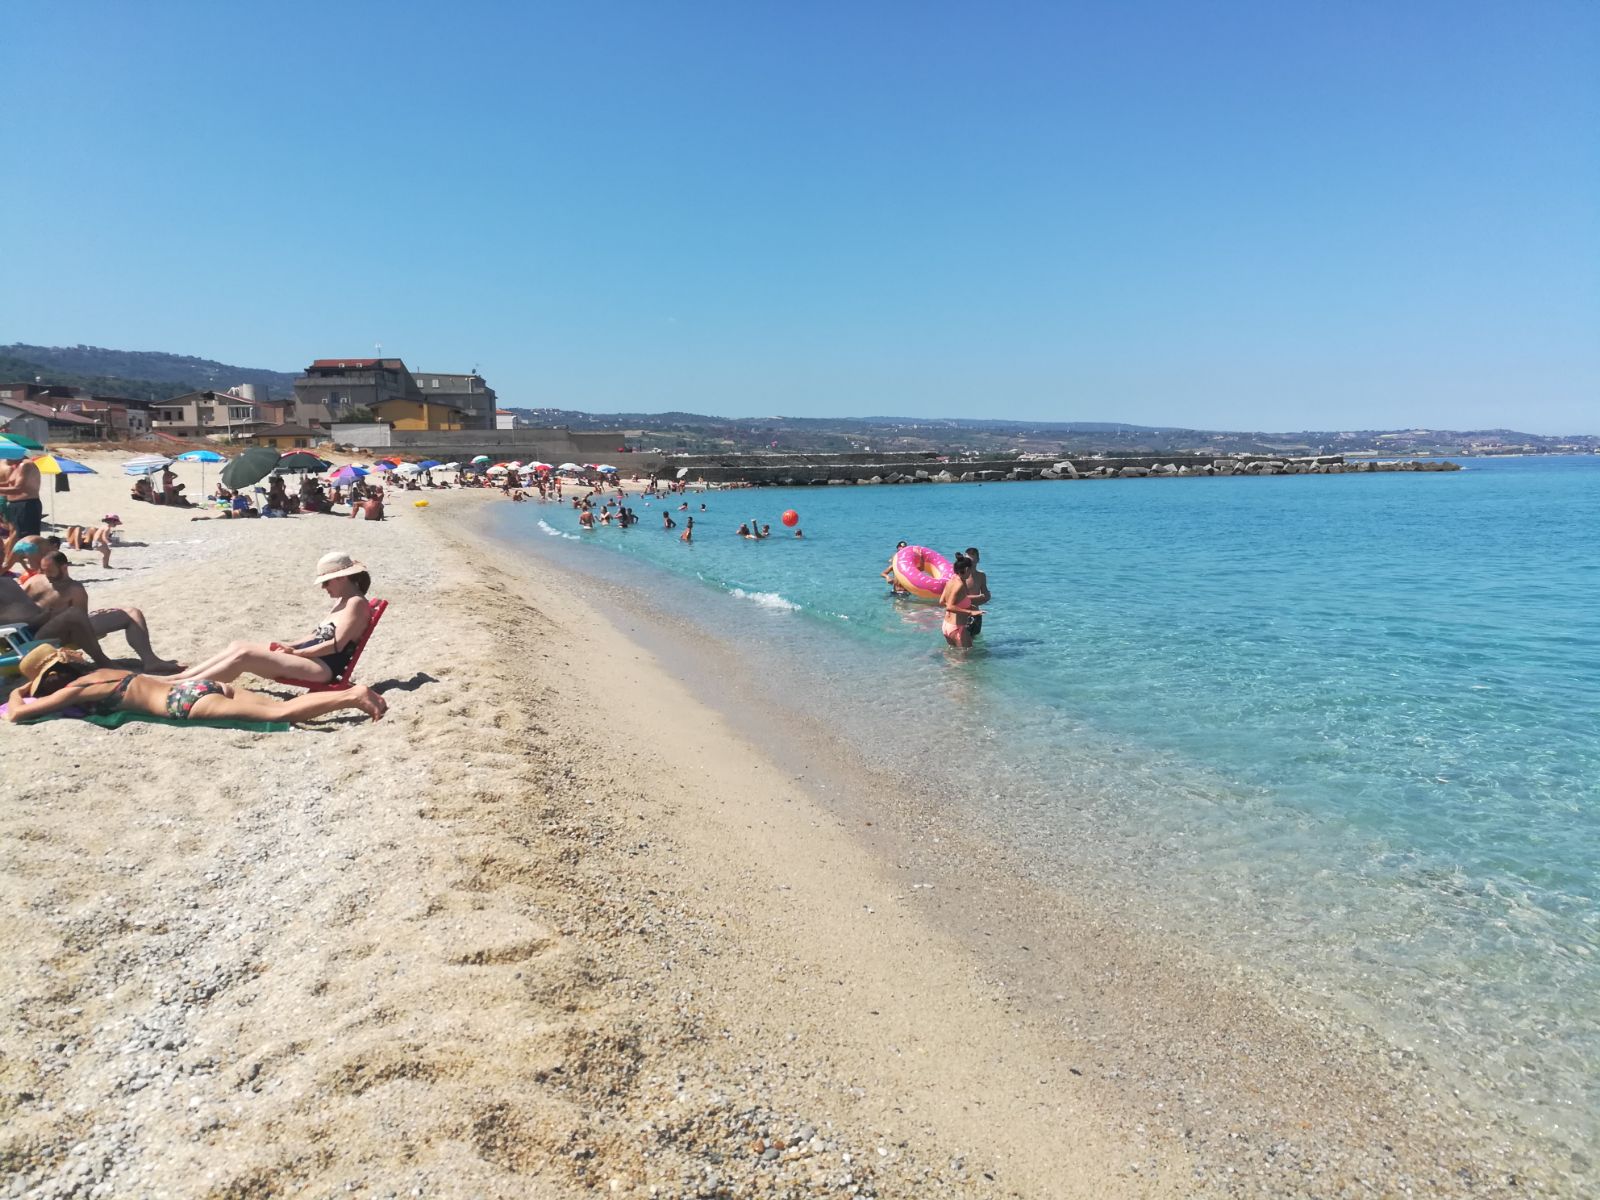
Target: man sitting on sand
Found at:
55, 591
70, 625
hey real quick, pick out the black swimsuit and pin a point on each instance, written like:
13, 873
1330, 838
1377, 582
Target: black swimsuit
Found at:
337, 661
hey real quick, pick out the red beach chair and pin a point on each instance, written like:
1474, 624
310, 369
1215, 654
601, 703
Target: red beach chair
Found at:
342, 681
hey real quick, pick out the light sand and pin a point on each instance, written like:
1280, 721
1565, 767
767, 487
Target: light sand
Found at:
554, 927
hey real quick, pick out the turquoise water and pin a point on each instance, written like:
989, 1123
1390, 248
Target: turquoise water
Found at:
1345, 727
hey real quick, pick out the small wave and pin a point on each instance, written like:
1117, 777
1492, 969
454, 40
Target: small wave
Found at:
766, 600
554, 532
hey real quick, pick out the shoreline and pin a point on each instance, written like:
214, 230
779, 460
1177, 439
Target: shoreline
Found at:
983, 888
555, 925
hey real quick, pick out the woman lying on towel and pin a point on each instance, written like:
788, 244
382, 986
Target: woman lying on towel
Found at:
320, 658
57, 680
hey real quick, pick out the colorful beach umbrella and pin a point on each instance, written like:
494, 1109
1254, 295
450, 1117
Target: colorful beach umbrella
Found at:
54, 464
481, 458
18, 439
343, 476
11, 452
383, 465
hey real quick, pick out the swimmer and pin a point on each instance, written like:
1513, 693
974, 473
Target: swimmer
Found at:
888, 572
688, 533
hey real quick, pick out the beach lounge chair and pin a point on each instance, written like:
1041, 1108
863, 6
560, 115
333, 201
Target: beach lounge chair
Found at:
343, 680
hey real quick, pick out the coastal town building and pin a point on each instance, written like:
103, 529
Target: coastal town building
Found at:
504, 419
206, 414
338, 389
469, 394
427, 413
37, 420
289, 437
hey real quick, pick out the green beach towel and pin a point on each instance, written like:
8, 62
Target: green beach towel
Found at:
117, 719
120, 718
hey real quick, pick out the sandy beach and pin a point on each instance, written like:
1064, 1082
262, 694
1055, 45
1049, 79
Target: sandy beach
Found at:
555, 926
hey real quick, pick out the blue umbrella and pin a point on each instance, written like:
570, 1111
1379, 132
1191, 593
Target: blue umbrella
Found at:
202, 457
11, 452
428, 464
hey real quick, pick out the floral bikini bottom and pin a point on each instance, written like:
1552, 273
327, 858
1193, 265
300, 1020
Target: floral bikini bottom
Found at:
181, 697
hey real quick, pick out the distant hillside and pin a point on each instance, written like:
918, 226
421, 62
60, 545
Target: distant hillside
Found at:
699, 433
142, 374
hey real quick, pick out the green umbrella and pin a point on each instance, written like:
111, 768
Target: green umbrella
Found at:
301, 460
16, 439
254, 465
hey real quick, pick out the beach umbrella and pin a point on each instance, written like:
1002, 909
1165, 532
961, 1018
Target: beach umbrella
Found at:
408, 469
254, 465
299, 462
383, 465
606, 470
497, 469
429, 464
145, 464
343, 476
54, 464
682, 471
202, 457
480, 458
17, 439
569, 467
452, 466
11, 452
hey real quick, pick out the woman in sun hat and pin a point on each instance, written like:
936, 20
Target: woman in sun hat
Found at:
322, 656
56, 680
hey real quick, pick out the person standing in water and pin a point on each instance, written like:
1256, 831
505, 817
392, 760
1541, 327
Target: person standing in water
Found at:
956, 600
888, 572
979, 589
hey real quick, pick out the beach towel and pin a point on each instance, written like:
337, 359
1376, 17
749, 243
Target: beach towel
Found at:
118, 719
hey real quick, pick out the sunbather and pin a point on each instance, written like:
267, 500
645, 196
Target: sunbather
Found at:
57, 680
321, 658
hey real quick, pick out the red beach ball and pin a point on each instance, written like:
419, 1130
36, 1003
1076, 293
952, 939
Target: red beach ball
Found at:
791, 518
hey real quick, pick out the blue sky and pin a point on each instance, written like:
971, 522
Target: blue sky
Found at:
1271, 215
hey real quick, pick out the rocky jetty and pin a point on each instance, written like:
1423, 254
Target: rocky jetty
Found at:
867, 470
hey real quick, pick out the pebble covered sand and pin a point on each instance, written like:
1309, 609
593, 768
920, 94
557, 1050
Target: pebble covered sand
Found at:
551, 928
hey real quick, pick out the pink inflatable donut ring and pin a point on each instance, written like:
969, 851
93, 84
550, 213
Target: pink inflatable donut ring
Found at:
921, 571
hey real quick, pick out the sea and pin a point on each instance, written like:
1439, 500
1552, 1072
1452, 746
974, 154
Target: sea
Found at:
1342, 729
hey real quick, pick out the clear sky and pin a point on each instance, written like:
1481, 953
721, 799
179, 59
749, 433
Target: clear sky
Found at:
1274, 215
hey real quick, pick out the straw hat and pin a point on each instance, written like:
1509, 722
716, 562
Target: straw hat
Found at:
335, 564
38, 661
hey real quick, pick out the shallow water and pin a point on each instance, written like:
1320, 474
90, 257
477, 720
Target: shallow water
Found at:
1346, 728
